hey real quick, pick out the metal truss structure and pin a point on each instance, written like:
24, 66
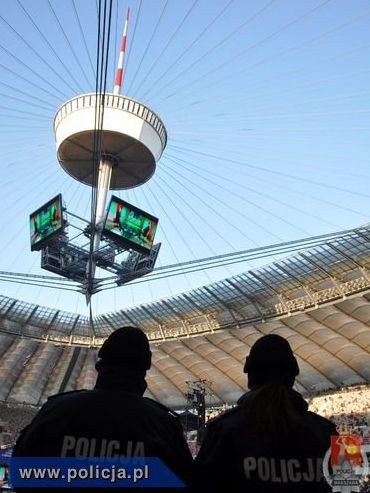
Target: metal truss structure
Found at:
69, 258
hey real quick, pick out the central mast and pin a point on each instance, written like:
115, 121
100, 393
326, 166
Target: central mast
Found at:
106, 163
131, 137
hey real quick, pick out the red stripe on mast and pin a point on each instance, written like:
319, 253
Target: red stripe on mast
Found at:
119, 73
118, 79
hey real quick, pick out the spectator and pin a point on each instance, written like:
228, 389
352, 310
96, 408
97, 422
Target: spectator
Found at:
115, 411
269, 442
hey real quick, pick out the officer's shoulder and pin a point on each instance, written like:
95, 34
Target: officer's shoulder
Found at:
322, 421
63, 395
161, 408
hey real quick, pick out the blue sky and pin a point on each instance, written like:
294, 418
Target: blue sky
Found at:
266, 105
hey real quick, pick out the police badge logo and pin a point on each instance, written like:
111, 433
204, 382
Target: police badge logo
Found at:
348, 464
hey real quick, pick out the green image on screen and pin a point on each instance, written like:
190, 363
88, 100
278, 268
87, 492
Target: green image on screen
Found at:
46, 221
130, 224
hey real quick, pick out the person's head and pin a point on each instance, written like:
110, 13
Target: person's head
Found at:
126, 351
271, 360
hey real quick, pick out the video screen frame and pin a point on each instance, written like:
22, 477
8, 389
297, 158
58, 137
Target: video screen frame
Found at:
126, 242
44, 241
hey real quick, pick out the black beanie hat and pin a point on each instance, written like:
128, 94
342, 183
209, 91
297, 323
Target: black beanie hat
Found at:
271, 359
128, 348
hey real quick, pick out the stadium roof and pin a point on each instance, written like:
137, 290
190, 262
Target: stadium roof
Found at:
318, 299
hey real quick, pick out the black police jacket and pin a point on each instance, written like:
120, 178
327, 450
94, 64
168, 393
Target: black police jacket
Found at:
235, 458
107, 422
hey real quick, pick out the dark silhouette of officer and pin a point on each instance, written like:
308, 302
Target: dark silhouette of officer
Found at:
114, 418
269, 442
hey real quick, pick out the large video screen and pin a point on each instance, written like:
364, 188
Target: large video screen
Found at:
130, 226
46, 222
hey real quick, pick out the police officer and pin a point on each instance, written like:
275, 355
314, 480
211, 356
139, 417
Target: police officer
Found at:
114, 418
269, 442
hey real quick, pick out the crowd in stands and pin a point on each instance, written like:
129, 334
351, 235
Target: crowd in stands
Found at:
355, 399
12, 420
349, 408
212, 412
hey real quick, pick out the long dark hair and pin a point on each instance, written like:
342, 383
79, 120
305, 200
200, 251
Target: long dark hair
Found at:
273, 409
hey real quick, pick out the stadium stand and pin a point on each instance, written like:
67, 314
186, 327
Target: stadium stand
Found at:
318, 300
13, 420
347, 407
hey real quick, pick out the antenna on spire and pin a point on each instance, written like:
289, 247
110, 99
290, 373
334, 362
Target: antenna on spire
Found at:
119, 72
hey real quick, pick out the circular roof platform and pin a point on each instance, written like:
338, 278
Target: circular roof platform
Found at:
132, 134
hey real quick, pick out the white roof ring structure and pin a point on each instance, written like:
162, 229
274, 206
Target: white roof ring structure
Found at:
318, 299
133, 133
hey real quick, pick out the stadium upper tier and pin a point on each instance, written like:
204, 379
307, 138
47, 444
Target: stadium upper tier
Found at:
318, 299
